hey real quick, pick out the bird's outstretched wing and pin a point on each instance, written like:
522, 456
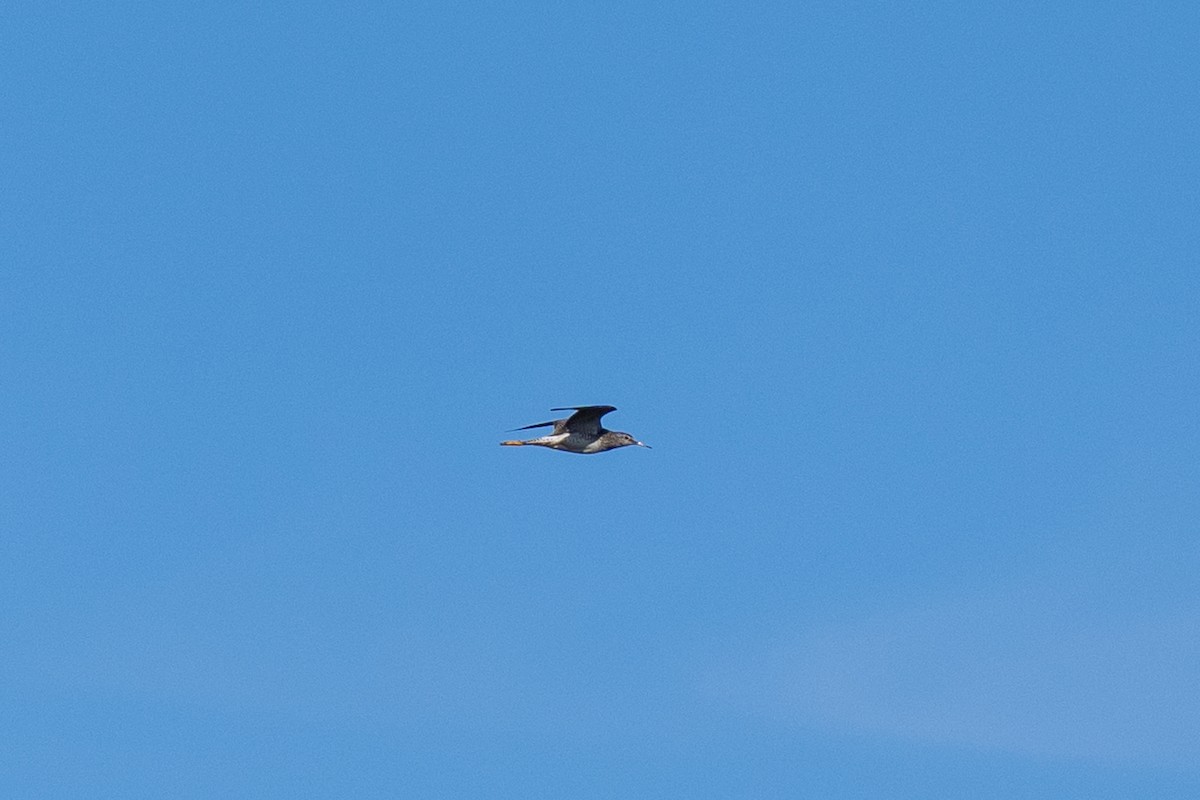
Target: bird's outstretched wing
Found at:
537, 425
585, 420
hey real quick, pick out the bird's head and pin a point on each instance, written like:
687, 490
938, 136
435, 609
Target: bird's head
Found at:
621, 439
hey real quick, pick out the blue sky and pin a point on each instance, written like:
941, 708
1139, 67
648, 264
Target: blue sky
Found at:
905, 298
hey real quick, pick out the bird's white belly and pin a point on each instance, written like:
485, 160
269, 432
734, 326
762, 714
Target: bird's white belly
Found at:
572, 443
554, 439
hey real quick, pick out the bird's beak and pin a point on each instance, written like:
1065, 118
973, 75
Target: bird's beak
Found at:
643, 444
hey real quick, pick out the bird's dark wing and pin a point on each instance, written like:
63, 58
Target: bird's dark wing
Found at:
537, 425
585, 420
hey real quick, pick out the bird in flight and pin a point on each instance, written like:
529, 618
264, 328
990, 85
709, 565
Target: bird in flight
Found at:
579, 433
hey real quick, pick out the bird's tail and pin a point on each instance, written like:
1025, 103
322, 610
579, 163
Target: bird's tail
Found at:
513, 443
